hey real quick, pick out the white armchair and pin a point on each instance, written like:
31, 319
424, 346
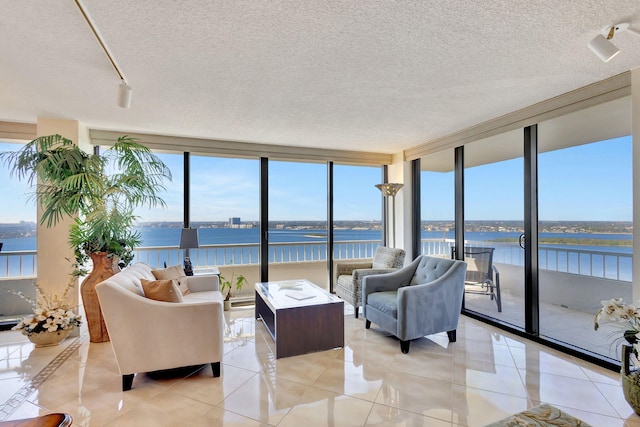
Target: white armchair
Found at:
149, 335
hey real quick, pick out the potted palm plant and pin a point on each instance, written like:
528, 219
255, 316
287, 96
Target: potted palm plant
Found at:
101, 192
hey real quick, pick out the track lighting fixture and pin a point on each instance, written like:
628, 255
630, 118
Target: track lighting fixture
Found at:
124, 90
602, 46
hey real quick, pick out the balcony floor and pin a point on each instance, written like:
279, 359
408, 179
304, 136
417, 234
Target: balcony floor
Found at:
486, 375
557, 322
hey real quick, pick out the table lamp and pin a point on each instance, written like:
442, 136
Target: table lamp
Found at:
188, 240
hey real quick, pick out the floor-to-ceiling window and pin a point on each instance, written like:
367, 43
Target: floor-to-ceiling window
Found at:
437, 204
18, 260
357, 222
224, 207
297, 221
18, 224
494, 223
585, 222
160, 227
562, 189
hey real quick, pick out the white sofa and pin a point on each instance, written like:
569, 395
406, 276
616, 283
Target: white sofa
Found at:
149, 335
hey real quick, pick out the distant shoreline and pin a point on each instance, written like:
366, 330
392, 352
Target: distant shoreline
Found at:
571, 241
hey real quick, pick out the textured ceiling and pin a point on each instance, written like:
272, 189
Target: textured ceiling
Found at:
374, 75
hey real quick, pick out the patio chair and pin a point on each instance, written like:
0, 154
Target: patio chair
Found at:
482, 276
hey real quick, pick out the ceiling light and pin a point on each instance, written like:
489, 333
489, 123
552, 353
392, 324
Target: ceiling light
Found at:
124, 95
603, 48
601, 44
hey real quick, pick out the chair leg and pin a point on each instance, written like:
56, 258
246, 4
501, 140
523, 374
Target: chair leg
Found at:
404, 346
367, 324
127, 382
356, 310
452, 335
216, 369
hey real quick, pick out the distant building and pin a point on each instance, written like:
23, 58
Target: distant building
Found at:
234, 222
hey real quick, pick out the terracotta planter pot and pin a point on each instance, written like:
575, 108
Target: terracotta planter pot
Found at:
103, 268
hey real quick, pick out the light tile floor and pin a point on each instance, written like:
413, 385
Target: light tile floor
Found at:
486, 375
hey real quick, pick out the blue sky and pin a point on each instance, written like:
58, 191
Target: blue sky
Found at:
588, 182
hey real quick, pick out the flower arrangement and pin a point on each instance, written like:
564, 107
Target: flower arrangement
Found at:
50, 313
626, 316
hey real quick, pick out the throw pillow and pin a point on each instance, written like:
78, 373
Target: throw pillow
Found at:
174, 272
183, 284
161, 290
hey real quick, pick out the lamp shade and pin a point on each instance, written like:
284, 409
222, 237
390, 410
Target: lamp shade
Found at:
189, 238
603, 48
389, 189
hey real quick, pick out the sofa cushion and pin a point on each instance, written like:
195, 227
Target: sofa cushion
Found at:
203, 296
183, 284
386, 302
173, 272
162, 290
130, 277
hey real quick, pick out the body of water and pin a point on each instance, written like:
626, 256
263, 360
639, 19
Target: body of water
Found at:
155, 236
550, 255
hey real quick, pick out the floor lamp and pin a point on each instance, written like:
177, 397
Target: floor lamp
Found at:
390, 190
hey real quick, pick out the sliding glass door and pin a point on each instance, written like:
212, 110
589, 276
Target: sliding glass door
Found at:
494, 226
585, 227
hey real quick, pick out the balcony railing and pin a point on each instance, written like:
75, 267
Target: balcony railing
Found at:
248, 253
607, 265
18, 264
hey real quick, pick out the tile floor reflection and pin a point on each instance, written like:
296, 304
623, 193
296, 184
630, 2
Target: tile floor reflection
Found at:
486, 375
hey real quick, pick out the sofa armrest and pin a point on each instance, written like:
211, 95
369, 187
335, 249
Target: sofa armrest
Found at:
380, 283
346, 268
361, 273
203, 282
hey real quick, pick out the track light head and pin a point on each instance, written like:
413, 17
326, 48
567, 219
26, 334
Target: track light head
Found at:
603, 48
124, 95
601, 44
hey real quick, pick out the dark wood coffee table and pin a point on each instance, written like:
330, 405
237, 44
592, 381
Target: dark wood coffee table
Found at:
301, 317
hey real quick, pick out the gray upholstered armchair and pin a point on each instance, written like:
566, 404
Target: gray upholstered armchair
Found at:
350, 274
423, 298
